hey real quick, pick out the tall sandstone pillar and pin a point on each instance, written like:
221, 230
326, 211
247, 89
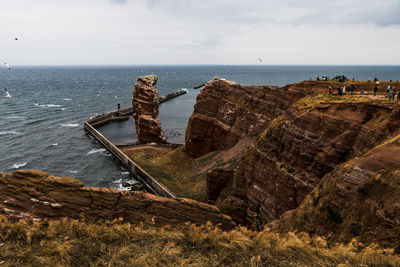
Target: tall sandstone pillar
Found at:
145, 106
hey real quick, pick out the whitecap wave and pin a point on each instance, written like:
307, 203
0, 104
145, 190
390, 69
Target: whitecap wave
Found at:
14, 117
63, 108
118, 181
10, 133
48, 105
55, 144
18, 165
124, 173
70, 125
94, 151
184, 89
73, 171
67, 99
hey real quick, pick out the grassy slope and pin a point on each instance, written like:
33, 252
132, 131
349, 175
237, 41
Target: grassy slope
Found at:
185, 176
70, 242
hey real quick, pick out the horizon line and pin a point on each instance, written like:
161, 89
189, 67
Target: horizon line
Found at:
252, 65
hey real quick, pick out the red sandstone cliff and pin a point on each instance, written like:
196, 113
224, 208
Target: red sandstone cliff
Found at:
360, 198
306, 141
299, 148
37, 195
145, 105
226, 112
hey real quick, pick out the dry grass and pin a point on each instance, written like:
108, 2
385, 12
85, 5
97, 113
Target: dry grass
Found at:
313, 101
183, 175
174, 169
70, 242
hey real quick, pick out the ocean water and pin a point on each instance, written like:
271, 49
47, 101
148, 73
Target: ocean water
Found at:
41, 125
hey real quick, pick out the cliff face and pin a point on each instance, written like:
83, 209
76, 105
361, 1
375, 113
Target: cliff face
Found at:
226, 112
37, 195
360, 198
299, 148
308, 138
145, 104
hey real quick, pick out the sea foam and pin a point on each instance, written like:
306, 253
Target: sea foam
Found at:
47, 105
70, 125
18, 165
94, 151
10, 133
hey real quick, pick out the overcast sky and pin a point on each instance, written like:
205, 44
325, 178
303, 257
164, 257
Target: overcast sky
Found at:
107, 32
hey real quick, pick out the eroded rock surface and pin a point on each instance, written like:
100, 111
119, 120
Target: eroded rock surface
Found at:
299, 148
226, 111
145, 104
360, 198
37, 195
302, 136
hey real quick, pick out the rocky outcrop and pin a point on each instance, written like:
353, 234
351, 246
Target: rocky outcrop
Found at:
226, 112
37, 195
302, 138
360, 198
217, 180
145, 105
299, 148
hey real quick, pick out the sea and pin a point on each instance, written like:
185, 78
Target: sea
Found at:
41, 125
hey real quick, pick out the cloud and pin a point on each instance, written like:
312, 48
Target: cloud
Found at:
119, 1
201, 32
289, 12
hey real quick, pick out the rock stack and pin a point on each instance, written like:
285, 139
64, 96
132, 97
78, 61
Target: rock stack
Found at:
145, 106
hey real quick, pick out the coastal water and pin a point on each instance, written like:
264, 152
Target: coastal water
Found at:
41, 125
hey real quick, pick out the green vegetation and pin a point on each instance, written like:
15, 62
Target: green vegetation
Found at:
174, 169
183, 175
70, 242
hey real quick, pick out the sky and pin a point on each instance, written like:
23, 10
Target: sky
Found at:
231, 32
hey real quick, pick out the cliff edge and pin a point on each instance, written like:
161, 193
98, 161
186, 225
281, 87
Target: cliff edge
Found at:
37, 195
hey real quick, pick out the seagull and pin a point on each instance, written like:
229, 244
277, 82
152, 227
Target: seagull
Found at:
7, 66
7, 93
259, 59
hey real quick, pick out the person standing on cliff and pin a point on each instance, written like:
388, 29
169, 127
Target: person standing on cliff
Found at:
352, 89
375, 89
391, 94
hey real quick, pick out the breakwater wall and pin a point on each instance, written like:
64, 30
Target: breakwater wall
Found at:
123, 114
150, 183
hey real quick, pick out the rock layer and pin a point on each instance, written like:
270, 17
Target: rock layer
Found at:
226, 112
37, 195
145, 105
299, 148
301, 138
360, 198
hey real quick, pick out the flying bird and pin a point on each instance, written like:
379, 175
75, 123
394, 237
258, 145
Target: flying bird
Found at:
16, 39
259, 59
7, 66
